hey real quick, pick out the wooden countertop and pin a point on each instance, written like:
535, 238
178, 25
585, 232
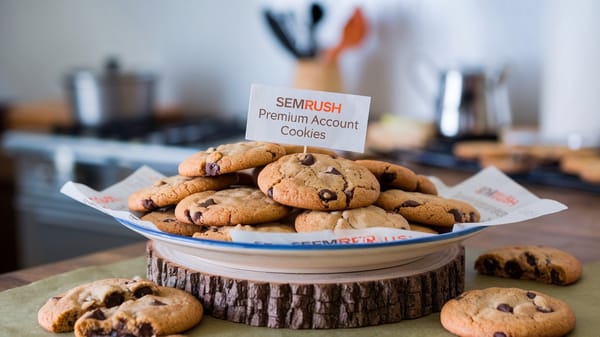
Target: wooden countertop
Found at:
576, 230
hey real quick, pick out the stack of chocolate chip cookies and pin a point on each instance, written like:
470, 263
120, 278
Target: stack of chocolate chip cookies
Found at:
263, 186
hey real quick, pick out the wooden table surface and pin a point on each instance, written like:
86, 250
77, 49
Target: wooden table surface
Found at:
576, 230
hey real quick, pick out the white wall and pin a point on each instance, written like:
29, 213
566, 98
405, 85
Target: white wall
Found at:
207, 53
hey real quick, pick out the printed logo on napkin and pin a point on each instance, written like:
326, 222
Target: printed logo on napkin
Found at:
308, 117
498, 198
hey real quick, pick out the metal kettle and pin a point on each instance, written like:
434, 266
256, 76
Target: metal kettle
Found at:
472, 103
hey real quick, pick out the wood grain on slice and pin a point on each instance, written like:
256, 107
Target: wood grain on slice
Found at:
344, 303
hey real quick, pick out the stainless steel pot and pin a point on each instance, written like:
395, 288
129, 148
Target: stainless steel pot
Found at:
472, 103
99, 99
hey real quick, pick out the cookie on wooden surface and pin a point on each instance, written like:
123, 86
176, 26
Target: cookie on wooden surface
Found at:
319, 182
590, 171
356, 218
507, 312
170, 190
229, 207
164, 312
530, 262
427, 208
508, 163
229, 158
128, 297
473, 149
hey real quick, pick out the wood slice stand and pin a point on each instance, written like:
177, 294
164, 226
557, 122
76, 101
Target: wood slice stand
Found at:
318, 301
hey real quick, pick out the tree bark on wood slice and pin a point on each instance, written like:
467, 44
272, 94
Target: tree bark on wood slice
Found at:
344, 304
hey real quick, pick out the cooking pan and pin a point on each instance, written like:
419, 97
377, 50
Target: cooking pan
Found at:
97, 99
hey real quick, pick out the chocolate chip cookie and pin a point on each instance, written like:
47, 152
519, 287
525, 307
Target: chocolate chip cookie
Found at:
357, 218
427, 208
507, 312
318, 182
422, 228
222, 233
229, 207
425, 185
170, 190
391, 175
163, 312
229, 158
530, 262
165, 220
60, 312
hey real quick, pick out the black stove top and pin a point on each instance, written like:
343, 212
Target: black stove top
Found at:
184, 132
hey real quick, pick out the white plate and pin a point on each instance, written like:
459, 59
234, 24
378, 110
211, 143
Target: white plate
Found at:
278, 258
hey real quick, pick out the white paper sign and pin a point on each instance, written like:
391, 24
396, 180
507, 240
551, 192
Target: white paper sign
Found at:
307, 117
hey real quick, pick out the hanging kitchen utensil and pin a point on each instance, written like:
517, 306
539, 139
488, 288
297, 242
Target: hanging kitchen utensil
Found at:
277, 27
316, 14
354, 33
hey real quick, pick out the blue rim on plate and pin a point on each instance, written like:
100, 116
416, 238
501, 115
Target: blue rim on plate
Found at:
227, 244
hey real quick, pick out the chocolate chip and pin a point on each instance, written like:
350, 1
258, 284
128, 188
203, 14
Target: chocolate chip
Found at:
531, 295
142, 291
555, 277
472, 217
56, 298
410, 203
207, 202
388, 177
157, 303
531, 259
270, 192
457, 215
188, 215
504, 308
349, 196
212, 169
97, 314
197, 217
333, 170
149, 204
145, 330
114, 299
513, 269
491, 265
308, 160
327, 195
499, 334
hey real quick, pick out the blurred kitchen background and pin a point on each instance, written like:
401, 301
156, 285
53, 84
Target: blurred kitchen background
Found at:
204, 55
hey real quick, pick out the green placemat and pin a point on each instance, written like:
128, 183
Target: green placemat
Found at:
18, 306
